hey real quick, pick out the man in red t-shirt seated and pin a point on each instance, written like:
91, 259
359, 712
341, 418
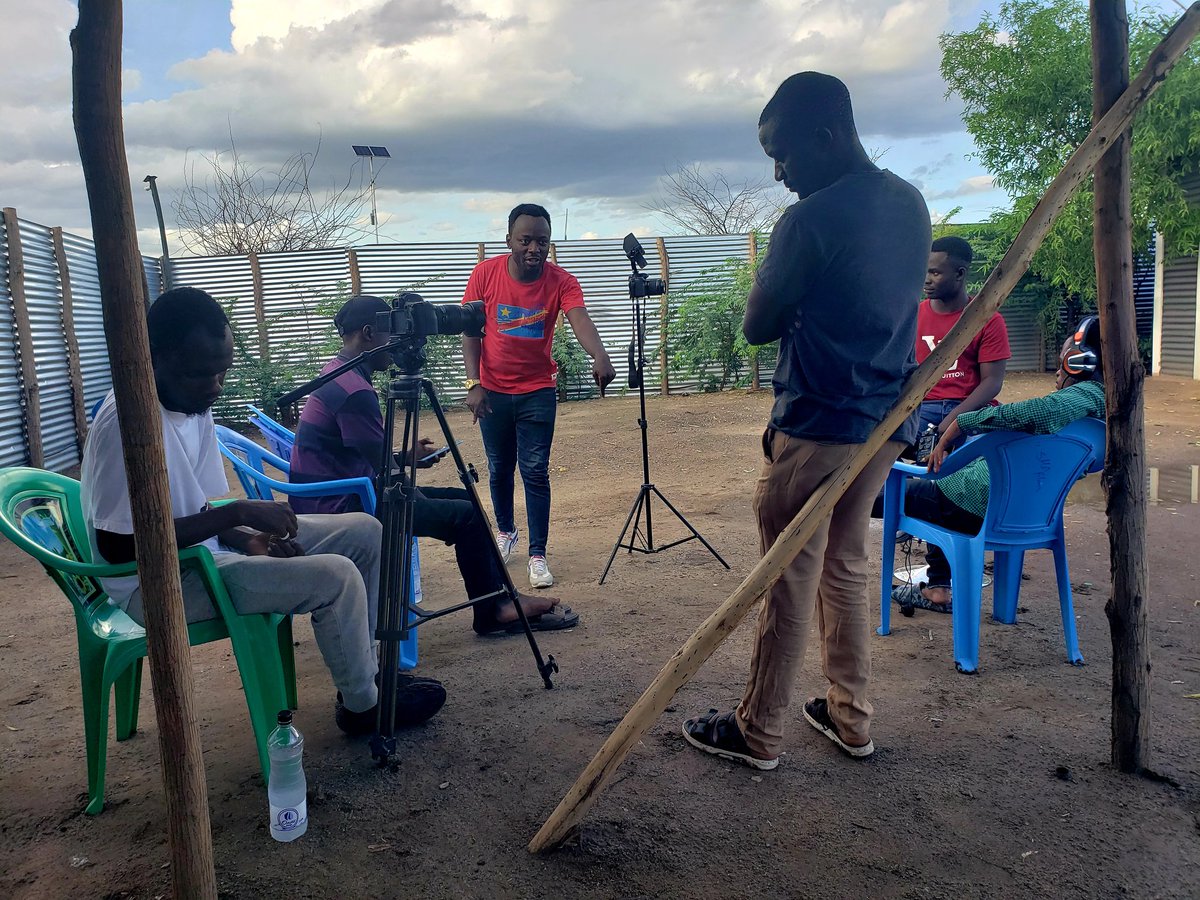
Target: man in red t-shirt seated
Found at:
978, 374
511, 375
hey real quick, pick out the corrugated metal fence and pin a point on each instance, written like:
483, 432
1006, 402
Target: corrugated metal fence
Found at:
281, 305
53, 356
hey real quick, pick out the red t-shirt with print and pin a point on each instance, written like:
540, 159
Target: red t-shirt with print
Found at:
990, 345
520, 324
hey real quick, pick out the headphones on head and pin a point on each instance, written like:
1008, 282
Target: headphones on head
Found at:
1080, 358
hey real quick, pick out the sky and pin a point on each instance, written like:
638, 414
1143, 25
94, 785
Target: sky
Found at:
580, 105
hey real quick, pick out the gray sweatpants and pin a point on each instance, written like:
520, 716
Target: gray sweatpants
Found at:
337, 581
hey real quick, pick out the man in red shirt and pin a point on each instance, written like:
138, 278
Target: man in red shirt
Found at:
511, 375
978, 374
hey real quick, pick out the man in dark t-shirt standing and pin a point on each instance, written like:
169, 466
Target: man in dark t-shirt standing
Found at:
836, 288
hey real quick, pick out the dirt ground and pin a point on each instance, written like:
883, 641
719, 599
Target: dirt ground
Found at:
995, 785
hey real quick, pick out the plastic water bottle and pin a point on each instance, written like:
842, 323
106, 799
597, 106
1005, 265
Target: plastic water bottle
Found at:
286, 788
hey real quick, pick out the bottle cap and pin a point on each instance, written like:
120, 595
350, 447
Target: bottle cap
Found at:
285, 717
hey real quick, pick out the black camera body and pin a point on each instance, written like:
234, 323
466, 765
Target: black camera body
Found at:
640, 284
413, 316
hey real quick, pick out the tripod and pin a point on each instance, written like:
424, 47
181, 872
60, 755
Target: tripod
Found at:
638, 290
396, 487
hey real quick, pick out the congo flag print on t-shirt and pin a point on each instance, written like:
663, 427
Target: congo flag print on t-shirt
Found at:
519, 322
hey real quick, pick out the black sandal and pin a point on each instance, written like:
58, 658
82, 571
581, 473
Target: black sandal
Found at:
718, 734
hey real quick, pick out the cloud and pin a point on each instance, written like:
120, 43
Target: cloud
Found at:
486, 100
976, 184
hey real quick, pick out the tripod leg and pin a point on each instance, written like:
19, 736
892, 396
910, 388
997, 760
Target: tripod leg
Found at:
634, 513
546, 667
688, 524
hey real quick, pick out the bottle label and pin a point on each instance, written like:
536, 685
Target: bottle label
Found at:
286, 819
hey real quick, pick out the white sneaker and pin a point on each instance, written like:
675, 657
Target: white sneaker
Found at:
506, 541
539, 573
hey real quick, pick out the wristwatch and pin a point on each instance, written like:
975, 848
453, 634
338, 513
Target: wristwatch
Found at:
471, 382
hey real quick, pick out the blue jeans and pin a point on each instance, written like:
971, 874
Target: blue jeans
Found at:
519, 431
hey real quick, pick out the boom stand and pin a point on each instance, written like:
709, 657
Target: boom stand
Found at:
396, 491
643, 540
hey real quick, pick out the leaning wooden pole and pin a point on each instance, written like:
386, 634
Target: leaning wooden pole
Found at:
96, 76
1124, 376
713, 631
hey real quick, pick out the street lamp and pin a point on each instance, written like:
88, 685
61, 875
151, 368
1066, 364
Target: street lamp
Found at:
372, 154
152, 186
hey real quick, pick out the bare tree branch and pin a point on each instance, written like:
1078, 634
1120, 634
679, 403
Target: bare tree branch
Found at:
230, 208
697, 202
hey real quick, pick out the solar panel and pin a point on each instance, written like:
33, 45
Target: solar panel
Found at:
381, 152
361, 150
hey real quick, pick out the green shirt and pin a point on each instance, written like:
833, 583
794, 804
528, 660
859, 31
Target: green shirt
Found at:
968, 487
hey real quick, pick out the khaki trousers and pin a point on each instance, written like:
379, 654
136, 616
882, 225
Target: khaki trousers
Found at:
828, 575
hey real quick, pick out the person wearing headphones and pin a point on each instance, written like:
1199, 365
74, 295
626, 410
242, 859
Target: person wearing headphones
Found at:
959, 501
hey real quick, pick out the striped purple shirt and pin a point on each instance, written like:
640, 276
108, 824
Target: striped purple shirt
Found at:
340, 436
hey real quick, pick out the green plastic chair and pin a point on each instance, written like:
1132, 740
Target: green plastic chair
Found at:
40, 512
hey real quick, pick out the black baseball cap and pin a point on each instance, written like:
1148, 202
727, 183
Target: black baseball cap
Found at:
359, 311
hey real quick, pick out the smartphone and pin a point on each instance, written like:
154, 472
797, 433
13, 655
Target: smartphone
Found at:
437, 454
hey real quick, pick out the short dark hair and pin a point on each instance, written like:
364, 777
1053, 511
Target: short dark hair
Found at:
811, 99
527, 209
179, 312
956, 248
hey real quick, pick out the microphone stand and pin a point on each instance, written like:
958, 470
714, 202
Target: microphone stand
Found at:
643, 540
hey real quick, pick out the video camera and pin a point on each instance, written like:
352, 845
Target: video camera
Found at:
640, 285
413, 316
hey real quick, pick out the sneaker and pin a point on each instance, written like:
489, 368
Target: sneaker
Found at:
506, 541
817, 714
539, 573
719, 735
417, 701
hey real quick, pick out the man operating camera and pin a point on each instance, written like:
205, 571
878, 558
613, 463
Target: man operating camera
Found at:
341, 435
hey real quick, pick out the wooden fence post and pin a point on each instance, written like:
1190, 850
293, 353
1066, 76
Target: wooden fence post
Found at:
752, 256
96, 109
1124, 380
481, 252
355, 275
29, 385
74, 366
664, 313
260, 309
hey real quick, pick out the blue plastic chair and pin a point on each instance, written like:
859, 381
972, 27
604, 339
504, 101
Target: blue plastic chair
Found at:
279, 438
1030, 477
249, 460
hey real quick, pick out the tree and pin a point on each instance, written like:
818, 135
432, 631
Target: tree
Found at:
705, 333
1024, 75
235, 209
698, 202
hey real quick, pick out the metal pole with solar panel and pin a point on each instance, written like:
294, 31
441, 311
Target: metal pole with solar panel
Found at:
372, 153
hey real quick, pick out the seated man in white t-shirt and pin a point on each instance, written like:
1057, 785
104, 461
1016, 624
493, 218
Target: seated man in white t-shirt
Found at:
270, 559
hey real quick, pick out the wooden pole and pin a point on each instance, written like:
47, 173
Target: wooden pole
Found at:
260, 309
74, 367
1124, 377
664, 311
96, 77
29, 384
355, 275
713, 631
